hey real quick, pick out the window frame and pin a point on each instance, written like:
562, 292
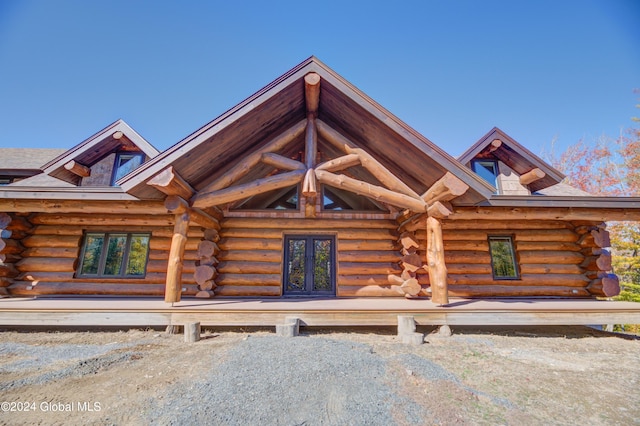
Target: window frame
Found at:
103, 255
514, 258
496, 169
309, 258
119, 154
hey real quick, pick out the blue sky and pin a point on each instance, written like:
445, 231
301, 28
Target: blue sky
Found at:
539, 70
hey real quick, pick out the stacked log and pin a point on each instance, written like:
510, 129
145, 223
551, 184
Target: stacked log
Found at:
206, 264
12, 230
50, 250
595, 245
407, 283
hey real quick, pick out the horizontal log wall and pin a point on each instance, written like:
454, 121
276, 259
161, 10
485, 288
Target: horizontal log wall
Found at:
556, 258
251, 257
50, 253
548, 255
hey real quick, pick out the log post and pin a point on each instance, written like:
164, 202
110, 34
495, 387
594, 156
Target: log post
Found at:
176, 205
191, 332
173, 287
311, 142
435, 261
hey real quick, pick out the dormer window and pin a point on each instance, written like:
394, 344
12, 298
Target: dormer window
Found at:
125, 163
487, 170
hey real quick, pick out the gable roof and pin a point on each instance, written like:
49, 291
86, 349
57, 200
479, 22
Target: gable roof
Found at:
95, 148
209, 152
514, 155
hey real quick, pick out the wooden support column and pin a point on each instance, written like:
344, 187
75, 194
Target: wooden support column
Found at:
435, 262
311, 142
173, 287
77, 168
312, 92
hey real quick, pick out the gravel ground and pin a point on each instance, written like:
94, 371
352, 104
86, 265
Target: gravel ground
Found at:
533, 376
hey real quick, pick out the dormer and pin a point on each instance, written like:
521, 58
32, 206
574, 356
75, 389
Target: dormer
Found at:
508, 166
102, 159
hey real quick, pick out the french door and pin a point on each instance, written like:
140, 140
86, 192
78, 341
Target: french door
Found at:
309, 265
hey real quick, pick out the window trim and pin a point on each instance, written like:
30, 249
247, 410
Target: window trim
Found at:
114, 172
103, 256
514, 258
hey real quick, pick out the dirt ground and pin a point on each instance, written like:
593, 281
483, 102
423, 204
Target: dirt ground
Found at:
543, 375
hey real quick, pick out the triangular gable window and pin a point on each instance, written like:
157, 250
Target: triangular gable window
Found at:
338, 199
280, 199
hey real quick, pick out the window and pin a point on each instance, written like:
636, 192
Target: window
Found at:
114, 255
125, 163
339, 199
503, 259
486, 169
5, 180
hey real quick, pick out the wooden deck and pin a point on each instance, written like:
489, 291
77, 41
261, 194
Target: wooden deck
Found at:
153, 312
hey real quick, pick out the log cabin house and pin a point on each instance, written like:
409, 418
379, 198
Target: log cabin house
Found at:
306, 188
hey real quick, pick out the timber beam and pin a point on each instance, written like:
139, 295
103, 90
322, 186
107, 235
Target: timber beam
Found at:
446, 188
178, 205
372, 191
340, 163
532, 176
280, 162
239, 192
312, 92
169, 182
334, 137
78, 169
250, 161
381, 173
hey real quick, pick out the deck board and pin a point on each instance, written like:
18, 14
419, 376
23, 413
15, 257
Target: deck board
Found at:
142, 312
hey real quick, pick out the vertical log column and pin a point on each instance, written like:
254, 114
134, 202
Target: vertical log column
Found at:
12, 230
173, 289
435, 261
206, 272
312, 100
596, 247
